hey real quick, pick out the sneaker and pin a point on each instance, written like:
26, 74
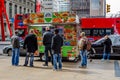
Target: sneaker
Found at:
60, 69
54, 69
81, 67
24, 65
90, 60
102, 60
31, 66
45, 65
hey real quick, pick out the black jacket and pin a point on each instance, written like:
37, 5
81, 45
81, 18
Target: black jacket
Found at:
47, 38
107, 45
30, 43
57, 43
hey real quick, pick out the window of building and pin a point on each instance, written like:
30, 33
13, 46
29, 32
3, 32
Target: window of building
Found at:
20, 1
10, 10
31, 4
15, 9
24, 10
28, 10
31, 11
20, 9
28, 3
24, 1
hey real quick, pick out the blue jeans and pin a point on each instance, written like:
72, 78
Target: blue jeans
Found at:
47, 48
83, 55
31, 55
15, 56
57, 58
106, 55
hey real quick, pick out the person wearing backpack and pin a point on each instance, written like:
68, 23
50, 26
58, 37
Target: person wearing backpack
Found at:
15, 49
82, 45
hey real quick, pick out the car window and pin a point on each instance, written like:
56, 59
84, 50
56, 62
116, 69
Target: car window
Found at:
116, 41
99, 41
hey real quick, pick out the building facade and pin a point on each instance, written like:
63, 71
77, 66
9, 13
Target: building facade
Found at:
17, 7
61, 5
46, 5
89, 8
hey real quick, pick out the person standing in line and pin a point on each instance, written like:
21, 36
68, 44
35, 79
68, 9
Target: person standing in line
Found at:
107, 48
57, 43
82, 45
15, 49
30, 43
47, 40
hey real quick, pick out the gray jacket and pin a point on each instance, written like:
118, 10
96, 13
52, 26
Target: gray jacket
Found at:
15, 41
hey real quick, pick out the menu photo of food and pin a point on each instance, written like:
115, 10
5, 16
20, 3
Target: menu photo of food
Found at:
33, 16
64, 14
71, 19
57, 20
56, 14
38, 20
40, 15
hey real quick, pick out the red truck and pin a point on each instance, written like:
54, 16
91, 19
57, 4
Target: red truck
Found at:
96, 28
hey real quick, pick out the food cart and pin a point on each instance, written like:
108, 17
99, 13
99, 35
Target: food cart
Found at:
68, 29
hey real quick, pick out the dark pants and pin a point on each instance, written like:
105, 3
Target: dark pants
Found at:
31, 55
48, 48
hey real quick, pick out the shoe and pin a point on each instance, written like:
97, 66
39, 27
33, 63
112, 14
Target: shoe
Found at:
81, 67
45, 65
55, 70
24, 65
59, 69
90, 60
31, 66
102, 60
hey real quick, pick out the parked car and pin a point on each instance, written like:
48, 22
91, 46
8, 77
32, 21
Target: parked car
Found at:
8, 49
98, 45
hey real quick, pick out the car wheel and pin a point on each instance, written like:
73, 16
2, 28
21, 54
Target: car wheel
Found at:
9, 52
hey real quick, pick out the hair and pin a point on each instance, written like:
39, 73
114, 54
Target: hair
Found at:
82, 34
16, 32
47, 28
56, 31
31, 31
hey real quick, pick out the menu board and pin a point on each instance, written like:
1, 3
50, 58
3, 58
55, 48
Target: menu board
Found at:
48, 17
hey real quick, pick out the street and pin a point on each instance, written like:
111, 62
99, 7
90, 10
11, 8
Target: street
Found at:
95, 70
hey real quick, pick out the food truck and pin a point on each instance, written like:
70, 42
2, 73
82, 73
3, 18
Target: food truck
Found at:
68, 29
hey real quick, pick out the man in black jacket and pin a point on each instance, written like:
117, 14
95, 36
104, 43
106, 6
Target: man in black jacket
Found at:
107, 48
57, 43
31, 45
47, 40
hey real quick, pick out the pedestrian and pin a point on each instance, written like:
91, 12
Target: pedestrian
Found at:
82, 45
57, 43
30, 44
15, 49
107, 48
47, 40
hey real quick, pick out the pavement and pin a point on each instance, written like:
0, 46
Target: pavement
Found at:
95, 70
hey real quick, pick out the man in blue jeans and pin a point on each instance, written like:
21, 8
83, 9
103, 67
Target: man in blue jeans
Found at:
83, 50
15, 49
47, 40
107, 48
30, 43
57, 43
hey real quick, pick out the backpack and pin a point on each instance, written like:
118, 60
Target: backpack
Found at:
16, 43
86, 44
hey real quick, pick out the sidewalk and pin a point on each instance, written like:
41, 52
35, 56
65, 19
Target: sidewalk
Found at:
96, 70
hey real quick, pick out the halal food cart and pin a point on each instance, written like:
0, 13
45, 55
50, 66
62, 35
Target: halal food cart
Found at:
68, 29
